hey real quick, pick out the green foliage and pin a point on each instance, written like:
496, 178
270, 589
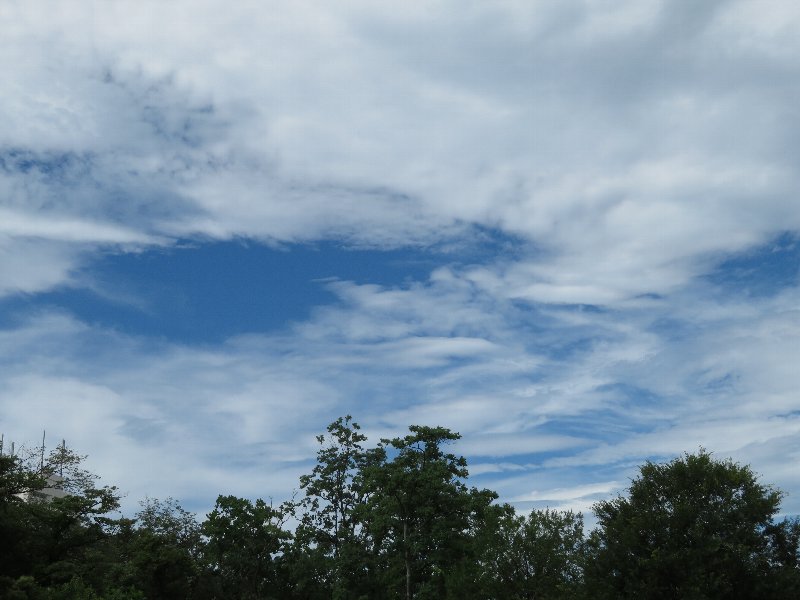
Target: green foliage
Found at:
16, 480
50, 543
393, 521
66, 464
695, 527
159, 551
15, 518
396, 521
168, 520
330, 547
244, 541
422, 514
540, 555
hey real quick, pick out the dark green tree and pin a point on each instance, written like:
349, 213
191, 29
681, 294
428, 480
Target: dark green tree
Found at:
331, 551
159, 551
244, 541
422, 515
53, 518
16, 480
67, 529
15, 522
695, 527
540, 555
784, 559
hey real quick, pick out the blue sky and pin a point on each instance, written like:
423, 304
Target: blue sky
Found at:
568, 230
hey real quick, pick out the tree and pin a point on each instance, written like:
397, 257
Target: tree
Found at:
15, 481
695, 527
535, 556
422, 515
158, 551
64, 470
334, 558
243, 541
47, 537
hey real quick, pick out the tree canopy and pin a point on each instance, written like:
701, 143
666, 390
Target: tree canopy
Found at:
695, 527
397, 520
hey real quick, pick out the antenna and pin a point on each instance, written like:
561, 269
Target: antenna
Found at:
41, 461
63, 454
2, 437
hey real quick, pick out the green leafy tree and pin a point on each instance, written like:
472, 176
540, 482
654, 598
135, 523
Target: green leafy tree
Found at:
49, 536
695, 527
67, 529
244, 541
422, 515
63, 468
15, 529
331, 553
784, 559
158, 551
16, 480
540, 555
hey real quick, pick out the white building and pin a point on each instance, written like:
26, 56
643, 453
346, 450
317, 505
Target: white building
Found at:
53, 489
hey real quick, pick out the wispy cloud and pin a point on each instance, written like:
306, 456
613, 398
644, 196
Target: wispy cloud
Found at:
633, 152
603, 404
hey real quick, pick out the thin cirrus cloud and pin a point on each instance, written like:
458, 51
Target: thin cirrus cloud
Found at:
590, 210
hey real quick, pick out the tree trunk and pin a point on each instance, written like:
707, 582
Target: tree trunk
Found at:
407, 560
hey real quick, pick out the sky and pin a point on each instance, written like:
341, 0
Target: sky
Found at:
567, 230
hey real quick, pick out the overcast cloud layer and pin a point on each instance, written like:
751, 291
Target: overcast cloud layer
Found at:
639, 160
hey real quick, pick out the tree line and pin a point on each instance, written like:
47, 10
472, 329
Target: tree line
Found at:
397, 520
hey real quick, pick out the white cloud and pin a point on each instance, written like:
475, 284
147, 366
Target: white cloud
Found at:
21, 225
581, 491
32, 266
605, 132
629, 146
244, 414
